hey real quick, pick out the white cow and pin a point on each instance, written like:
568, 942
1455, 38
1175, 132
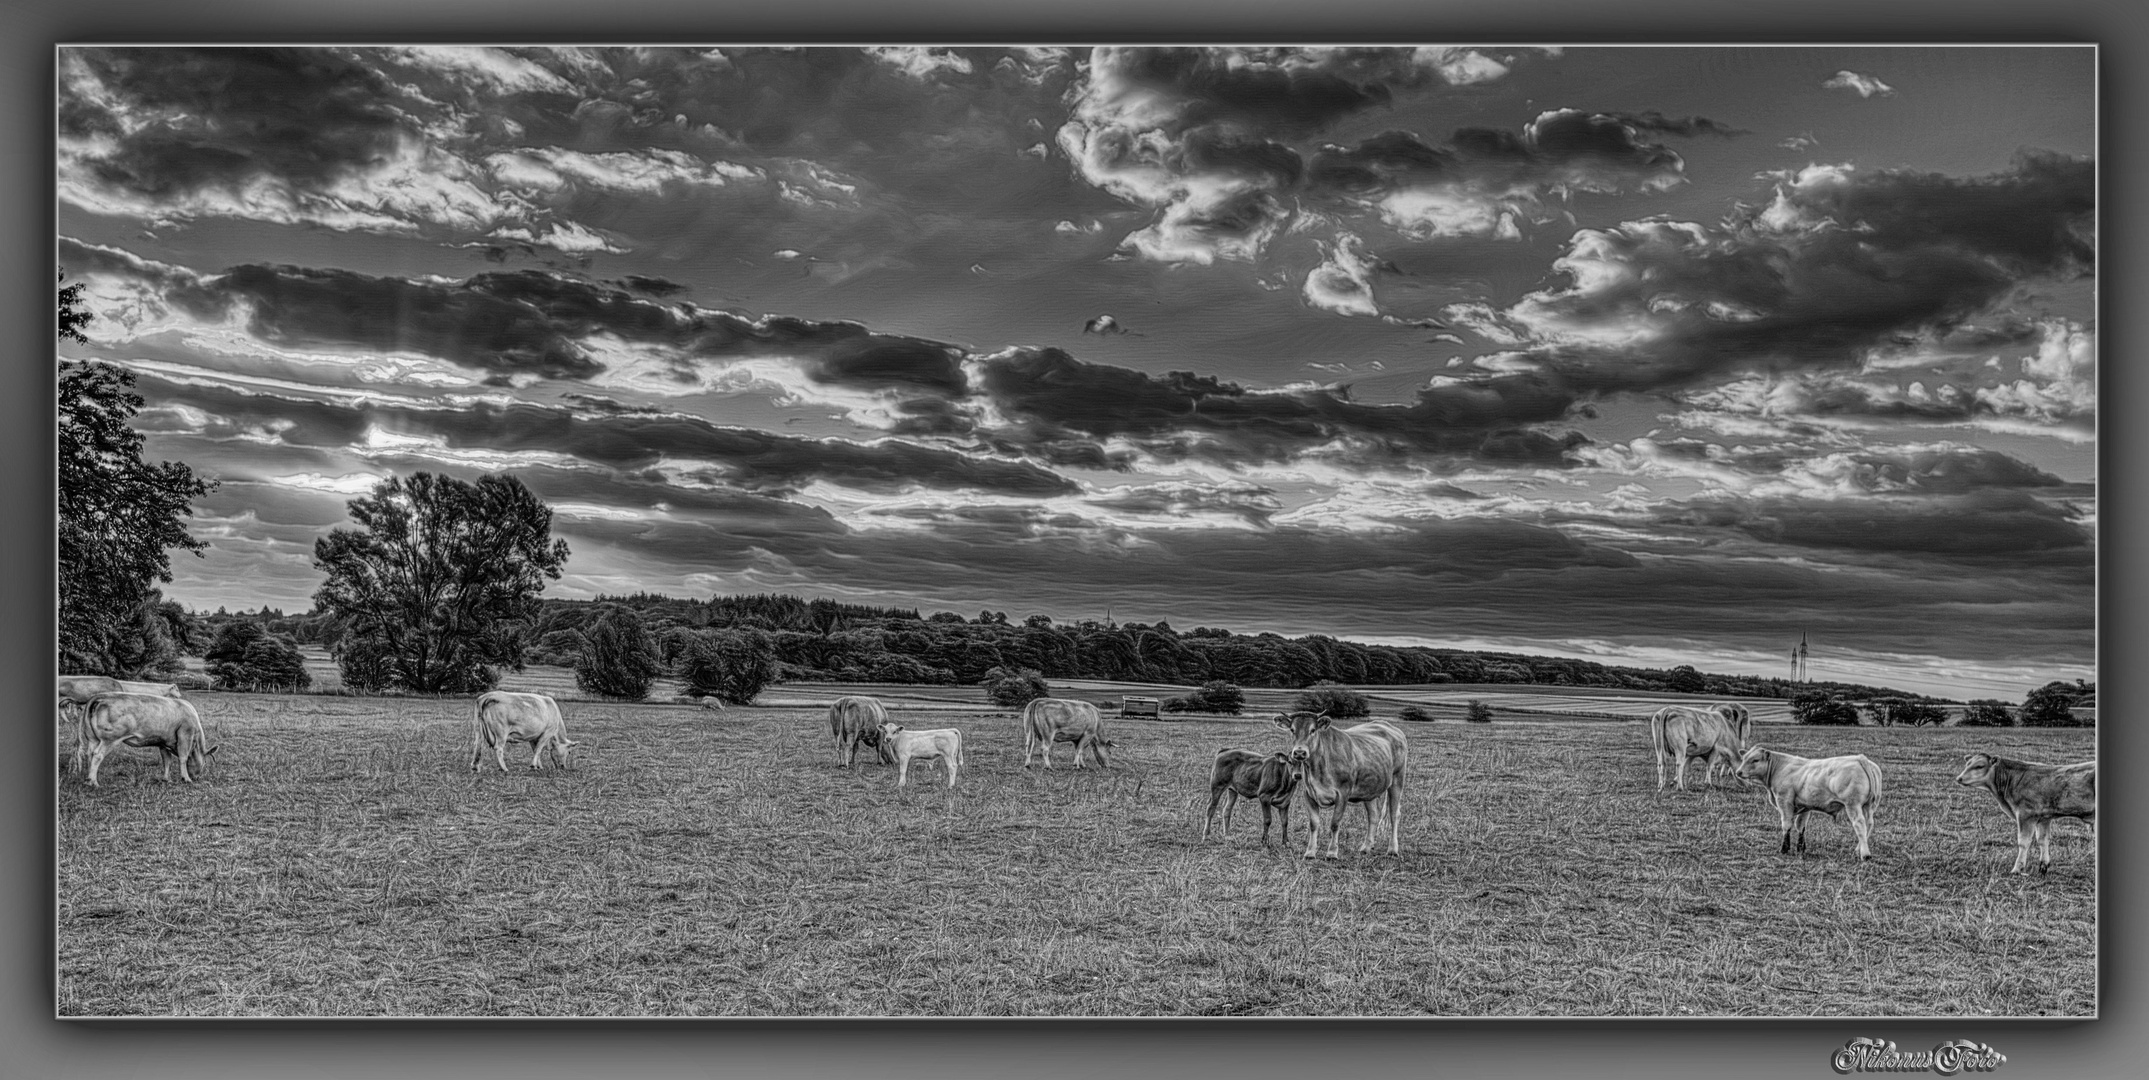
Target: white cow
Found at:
1682, 733
1799, 786
75, 692
944, 745
170, 724
1055, 720
503, 717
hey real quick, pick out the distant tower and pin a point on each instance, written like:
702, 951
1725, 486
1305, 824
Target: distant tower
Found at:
1798, 659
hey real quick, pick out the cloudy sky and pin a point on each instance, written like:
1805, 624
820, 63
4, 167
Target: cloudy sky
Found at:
1645, 355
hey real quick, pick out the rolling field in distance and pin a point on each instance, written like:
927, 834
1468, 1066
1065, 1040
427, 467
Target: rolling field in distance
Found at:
340, 859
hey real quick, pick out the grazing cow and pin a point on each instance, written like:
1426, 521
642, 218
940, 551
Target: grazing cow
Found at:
168, 723
1056, 720
75, 692
706, 704
502, 717
1683, 733
2035, 794
1340, 766
1266, 778
1740, 719
944, 745
853, 721
1799, 786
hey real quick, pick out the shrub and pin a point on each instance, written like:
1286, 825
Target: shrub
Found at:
1014, 687
1186, 703
1478, 712
246, 657
1338, 701
1416, 714
1218, 696
2052, 705
1902, 712
619, 657
1813, 708
1987, 713
732, 666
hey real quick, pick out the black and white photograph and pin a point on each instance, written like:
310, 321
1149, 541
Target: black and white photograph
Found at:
713, 530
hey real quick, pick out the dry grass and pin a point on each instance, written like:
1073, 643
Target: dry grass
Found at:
340, 859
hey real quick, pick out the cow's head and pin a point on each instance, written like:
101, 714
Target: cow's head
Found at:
885, 732
1976, 770
1302, 727
560, 746
1753, 765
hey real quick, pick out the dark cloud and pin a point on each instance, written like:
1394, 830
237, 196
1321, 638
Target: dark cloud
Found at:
652, 286
742, 457
224, 117
1995, 523
1053, 398
1689, 126
1840, 264
1214, 85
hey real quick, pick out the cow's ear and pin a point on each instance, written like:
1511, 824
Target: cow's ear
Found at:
1320, 721
1282, 721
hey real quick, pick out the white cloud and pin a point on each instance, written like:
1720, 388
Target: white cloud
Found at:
918, 62
485, 69
1865, 85
1343, 283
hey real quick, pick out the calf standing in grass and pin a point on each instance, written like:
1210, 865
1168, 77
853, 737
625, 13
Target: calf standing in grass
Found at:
168, 723
503, 717
855, 721
1799, 786
944, 745
2033, 795
1266, 778
1339, 766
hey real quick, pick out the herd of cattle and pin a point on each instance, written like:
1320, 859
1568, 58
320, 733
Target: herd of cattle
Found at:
1331, 768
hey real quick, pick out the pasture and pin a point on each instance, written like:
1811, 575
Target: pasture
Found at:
340, 859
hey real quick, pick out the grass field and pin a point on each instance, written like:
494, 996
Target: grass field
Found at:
341, 860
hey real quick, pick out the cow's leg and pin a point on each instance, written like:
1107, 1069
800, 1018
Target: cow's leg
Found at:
847, 750
1783, 816
1367, 847
97, 756
951, 763
1395, 819
477, 751
1335, 828
1313, 836
1283, 820
1862, 824
1681, 755
500, 750
2022, 845
1216, 795
1657, 751
2044, 846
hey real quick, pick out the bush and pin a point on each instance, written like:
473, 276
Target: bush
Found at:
1214, 696
619, 657
558, 648
2052, 705
1987, 713
732, 666
1901, 712
1416, 714
1478, 712
246, 657
1218, 696
1823, 709
1338, 701
1014, 687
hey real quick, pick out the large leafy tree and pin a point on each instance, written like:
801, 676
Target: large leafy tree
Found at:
118, 516
437, 588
